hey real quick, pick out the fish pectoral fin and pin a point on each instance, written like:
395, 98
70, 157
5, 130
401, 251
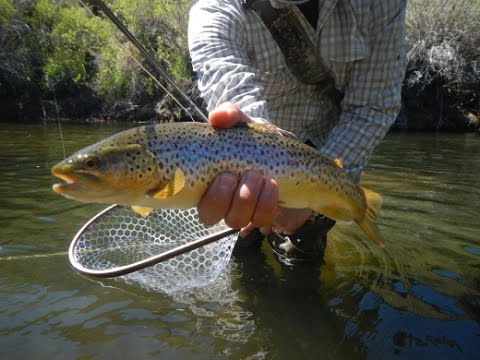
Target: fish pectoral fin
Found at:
144, 211
176, 183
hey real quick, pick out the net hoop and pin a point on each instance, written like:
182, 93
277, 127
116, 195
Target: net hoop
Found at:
138, 265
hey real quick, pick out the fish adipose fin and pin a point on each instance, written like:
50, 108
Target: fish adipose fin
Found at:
374, 203
176, 183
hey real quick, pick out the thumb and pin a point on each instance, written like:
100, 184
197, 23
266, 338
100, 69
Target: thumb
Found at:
227, 115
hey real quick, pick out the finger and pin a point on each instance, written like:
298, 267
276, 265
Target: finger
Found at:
216, 202
266, 204
245, 231
245, 200
288, 220
227, 115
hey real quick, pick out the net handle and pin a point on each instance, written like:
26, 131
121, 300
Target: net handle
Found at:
142, 264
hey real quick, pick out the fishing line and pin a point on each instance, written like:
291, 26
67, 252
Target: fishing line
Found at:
59, 122
32, 256
52, 87
156, 81
57, 112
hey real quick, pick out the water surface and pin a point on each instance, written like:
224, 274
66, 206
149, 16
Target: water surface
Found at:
418, 298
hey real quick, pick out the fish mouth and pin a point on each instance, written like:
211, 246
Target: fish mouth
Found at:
72, 184
65, 188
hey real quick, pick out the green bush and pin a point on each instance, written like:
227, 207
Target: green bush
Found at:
7, 10
161, 27
73, 37
66, 42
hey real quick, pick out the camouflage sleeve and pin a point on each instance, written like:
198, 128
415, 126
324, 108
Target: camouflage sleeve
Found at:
217, 44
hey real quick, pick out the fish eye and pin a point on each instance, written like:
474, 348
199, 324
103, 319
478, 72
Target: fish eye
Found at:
91, 163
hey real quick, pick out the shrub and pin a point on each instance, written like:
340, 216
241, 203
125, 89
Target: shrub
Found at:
444, 42
77, 45
6, 12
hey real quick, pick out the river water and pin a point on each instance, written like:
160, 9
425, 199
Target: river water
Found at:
418, 298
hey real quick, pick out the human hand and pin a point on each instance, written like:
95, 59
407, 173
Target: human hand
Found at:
250, 201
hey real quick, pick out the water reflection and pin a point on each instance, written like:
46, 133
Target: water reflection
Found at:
417, 298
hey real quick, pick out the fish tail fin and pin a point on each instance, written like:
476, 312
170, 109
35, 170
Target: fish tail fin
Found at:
374, 203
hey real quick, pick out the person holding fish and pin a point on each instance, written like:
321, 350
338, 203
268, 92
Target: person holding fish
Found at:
327, 71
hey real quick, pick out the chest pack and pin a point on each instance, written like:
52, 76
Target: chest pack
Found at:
292, 38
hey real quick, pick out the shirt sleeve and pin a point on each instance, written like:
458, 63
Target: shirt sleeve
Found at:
373, 91
217, 44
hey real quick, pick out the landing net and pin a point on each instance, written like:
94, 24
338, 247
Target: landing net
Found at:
167, 251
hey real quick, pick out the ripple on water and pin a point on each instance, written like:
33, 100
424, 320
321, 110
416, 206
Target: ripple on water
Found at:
472, 250
417, 298
220, 302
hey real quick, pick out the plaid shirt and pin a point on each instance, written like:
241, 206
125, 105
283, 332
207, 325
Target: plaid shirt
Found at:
361, 41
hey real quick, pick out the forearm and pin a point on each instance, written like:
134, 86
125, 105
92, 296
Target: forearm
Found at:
373, 92
217, 47
357, 134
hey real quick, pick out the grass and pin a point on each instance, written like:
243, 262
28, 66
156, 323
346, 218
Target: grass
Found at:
444, 42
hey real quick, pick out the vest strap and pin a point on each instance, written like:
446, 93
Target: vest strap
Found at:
291, 37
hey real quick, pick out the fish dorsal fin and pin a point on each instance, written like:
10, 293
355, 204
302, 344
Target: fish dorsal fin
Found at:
176, 183
338, 162
144, 211
267, 128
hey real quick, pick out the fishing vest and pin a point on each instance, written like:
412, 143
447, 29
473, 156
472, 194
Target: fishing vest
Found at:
296, 46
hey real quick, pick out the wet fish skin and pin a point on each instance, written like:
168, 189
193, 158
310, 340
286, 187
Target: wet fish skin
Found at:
172, 165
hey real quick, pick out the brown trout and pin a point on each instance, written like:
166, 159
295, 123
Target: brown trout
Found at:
172, 165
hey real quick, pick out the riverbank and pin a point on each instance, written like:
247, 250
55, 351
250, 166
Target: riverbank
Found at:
62, 60
429, 109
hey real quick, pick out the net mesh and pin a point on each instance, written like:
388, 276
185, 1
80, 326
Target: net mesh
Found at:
118, 236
